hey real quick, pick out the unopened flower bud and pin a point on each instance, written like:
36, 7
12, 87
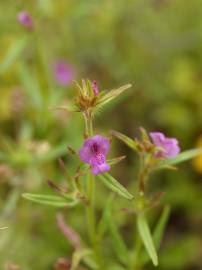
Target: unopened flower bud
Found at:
63, 73
95, 88
25, 19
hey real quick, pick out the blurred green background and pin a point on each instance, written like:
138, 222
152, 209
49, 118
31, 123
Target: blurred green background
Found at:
154, 44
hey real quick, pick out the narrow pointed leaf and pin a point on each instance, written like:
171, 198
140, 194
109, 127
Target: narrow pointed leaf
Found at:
107, 223
103, 223
104, 99
50, 200
90, 261
78, 256
165, 167
128, 141
146, 237
11, 203
160, 226
114, 185
68, 108
186, 155
29, 80
118, 242
159, 230
116, 160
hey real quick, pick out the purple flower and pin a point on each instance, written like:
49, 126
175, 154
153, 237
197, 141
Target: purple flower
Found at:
95, 88
94, 151
168, 146
25, 19
63, 73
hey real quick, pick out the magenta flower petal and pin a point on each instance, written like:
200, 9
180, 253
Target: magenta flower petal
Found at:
100, 168
169, 147
63, 73
25, 19
94, 151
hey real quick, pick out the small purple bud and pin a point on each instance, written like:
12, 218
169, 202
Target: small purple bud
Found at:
63, 73
94, 151
25, 19
168, 147
95, 88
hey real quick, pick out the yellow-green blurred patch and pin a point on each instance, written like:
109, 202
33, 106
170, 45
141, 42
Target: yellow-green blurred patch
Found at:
197, 162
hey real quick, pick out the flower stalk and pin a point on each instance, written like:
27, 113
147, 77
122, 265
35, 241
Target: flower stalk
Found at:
88, 123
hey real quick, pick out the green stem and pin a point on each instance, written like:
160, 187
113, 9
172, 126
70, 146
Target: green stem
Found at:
90, 209
136, 261
90, 187
143, 174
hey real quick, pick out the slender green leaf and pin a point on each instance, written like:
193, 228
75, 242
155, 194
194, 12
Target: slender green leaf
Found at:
159, 230
118, 242
90, 261
50, 200
11, 203
160, 226
13, 53
114, 93
104, 99
3, 228
116, 160
107, 223
186, 155
128, 141
114, 185
30, 83
68, 108
146, 237
103, 224
78, 256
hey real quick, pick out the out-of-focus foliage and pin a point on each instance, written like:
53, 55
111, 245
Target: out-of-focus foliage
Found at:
153, 44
